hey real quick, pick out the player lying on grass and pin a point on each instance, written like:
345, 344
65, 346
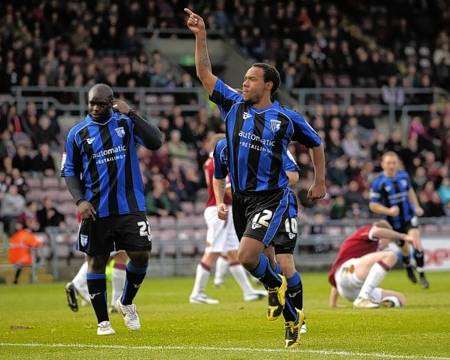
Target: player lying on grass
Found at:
221, 238
361, 265
392, 195
101, 169
78, 285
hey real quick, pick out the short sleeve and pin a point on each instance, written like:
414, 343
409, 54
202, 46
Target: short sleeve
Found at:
289, 162
71, 159
303, 132
224, 97
220, 160
375, 191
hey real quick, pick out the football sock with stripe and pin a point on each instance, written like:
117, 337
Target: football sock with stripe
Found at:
294, 297
418, 256
265, 273
134, 279
97, 292
201, 279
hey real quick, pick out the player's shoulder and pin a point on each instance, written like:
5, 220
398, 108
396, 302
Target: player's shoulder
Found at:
289, 113
379, 179
402, 174
75, 129
221, 145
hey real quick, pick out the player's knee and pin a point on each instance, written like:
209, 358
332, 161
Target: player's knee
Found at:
139, 258
390, 258
97, 264
247, 259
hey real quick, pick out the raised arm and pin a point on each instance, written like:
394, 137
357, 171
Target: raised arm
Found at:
148, 133
203, 67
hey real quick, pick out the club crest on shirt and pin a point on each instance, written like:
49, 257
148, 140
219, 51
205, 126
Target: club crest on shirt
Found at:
90, 140
275, 125
83, 240
246, 115
120, 131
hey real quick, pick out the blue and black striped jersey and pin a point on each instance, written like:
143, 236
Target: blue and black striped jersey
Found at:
104, 156
258, 140
391, 191
221, 160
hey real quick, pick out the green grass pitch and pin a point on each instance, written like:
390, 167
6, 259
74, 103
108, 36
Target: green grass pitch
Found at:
35, 323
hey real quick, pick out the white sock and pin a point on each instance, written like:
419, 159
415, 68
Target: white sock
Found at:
118, 283
374, 278
80, 281
241, 278
201, 279
222, 266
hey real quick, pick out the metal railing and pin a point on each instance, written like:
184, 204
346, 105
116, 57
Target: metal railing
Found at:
179, 254
74, 99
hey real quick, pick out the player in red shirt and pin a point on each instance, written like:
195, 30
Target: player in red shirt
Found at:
220, 238
361, 265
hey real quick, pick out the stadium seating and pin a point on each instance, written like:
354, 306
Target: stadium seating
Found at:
313, 45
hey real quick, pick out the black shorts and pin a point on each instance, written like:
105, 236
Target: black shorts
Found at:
405, 227
130, 232
268, 216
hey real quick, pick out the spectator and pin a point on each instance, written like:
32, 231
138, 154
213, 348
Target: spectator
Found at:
43, 162
444, 191
45, 132
21, 160
48, 215
338, 208
20, 245
13, 204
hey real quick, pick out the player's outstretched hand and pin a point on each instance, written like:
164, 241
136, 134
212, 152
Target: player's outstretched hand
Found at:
86, 210
317, 191
121, 106
222, 211
394, 211
194, 22
419, 211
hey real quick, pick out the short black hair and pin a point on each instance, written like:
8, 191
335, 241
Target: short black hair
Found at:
270, 74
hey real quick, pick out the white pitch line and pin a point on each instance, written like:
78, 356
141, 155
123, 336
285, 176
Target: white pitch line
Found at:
224, 349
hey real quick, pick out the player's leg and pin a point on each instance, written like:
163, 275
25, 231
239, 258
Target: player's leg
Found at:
293, 313
215, 238
419, 256
372, 268
19, 269
240, 276
132, 234
136, 270
96, 283
222, 267
118, 277
202, 274
406, 260
78, 285
80, 282
238, 272
261, 216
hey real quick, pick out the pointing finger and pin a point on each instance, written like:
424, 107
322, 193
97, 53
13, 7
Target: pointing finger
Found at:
189, 11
